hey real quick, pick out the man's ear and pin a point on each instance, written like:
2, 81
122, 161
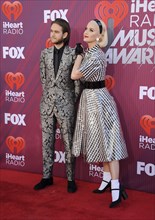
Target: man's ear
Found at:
65, 35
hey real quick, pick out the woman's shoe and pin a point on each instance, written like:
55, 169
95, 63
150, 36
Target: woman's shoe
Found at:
122, 193
99, 191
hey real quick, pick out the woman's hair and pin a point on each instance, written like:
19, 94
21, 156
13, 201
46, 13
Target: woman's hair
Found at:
65, 28
103, 40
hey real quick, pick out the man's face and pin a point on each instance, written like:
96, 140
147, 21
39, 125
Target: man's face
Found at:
56, 34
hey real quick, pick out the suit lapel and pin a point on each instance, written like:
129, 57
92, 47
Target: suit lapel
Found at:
51, 57
63, 61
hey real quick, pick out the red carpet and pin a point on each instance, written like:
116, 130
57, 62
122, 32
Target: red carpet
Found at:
20, 202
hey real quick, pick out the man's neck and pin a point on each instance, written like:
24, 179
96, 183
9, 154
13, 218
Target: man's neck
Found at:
58, 46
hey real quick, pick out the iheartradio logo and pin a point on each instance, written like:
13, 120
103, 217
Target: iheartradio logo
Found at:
14, 9
117, 11
15, 145
48, 43
109, 82
14, 79
147, 123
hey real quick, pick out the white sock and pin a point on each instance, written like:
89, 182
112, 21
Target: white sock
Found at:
115, 193
107, 178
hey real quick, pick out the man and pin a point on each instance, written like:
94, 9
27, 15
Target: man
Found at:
58, 101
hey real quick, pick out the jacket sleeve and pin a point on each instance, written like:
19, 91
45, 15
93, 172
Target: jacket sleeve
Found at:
77, 83
42, 69
78, 89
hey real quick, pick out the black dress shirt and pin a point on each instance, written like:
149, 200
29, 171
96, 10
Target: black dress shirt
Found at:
57, 57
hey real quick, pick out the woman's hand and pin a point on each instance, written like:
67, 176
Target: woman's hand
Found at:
79, 49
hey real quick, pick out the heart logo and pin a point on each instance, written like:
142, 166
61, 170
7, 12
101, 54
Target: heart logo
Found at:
109, 82
16, 79
117, 10
15, 145
49, 43
14, 8
147, 123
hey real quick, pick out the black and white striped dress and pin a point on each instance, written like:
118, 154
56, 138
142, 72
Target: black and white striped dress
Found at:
98, 135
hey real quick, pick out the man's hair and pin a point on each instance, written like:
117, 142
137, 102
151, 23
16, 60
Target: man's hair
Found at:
65, 28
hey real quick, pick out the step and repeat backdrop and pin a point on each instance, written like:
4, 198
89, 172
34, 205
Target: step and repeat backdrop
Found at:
25, 29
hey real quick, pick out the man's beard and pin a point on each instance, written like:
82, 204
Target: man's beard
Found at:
59, 42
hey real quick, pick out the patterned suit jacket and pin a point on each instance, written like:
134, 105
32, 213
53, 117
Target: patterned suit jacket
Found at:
60, 91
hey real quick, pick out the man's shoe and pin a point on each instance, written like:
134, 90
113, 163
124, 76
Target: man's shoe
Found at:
43, 183
71, 188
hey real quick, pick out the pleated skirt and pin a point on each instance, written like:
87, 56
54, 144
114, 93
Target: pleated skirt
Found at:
98, 134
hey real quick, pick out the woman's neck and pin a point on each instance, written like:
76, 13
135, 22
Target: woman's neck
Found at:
91, 45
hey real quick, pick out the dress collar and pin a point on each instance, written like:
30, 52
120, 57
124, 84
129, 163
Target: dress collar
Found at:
93, 49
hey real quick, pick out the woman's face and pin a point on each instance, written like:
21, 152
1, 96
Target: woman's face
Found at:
91, 33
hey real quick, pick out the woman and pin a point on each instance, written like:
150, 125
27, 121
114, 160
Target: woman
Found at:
98, 134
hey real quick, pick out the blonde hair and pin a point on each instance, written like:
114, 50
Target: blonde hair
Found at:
103, 40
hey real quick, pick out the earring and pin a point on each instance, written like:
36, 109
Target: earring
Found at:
97, 39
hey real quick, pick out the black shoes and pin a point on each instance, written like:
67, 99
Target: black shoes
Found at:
122, 193
103, 190
43, 183
71, 188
